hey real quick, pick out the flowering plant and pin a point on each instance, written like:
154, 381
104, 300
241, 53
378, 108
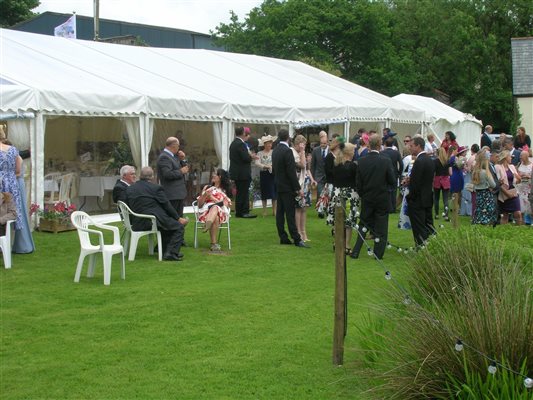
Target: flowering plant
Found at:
58, 211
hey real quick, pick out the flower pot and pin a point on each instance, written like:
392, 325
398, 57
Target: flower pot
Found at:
55, 225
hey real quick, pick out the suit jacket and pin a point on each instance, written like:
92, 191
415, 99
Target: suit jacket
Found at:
421, 182
317, 165
496, 189
240, 167
396, 159
147, 198
374, 176
119, 192
485, 140
284, 168
170, 176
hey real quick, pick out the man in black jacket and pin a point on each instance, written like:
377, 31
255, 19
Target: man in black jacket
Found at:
397, 166
420, 197
287, 188
374, 177
240, 171
127, 178
144, 197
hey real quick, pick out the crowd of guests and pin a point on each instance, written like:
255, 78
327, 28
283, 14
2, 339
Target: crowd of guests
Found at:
369, 176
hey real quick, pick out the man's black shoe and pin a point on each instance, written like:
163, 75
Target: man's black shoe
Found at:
246, 216
285, 241
354, 256
173, 257
301, 243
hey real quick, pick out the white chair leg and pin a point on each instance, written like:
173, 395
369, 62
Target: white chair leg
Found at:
127, 236
7, 259
107, 267
79, 267
159, 246
123, 271
133, 247
150, 244
92, 265
195, 236
229, 240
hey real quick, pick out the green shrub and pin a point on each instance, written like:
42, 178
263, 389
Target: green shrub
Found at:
470, 285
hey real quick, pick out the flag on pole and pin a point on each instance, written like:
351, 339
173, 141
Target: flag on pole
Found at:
67, 29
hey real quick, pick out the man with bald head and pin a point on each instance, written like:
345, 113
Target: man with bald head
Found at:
485, 138
145, 197
171, 170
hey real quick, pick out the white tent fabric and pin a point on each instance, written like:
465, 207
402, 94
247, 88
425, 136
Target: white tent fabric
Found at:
445, 118
84, 77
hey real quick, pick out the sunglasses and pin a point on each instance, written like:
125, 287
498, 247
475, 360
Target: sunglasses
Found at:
406, 141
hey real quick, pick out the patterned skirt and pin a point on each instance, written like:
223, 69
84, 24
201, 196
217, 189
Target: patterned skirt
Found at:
485, 211
349, 197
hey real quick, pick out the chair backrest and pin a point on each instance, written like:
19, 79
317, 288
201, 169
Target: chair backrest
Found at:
81, 219
125, 213
64, 188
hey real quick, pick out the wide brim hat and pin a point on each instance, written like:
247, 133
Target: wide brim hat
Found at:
267, 138
462, 149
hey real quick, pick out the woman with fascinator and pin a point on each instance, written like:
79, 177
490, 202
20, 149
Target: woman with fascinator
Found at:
343, 176
214, 205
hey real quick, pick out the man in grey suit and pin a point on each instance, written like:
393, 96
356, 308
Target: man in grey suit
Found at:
317, 164
171, 170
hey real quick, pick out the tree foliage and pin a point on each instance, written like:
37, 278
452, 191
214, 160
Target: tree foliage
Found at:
15, 11
459, 47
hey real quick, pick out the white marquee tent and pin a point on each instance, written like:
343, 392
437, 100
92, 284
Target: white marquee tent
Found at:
47, 77
445, 118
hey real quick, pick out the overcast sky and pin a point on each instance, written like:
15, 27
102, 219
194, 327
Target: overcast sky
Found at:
193, 15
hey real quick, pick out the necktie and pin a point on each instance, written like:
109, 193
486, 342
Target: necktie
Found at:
323, 153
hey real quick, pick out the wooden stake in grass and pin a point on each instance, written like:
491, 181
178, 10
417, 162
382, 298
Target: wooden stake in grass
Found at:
339, 329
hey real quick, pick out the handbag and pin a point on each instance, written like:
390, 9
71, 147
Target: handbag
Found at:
506, 193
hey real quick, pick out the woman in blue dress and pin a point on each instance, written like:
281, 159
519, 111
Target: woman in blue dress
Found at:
457, 182
12, 181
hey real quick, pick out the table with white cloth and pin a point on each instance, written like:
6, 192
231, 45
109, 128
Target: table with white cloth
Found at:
95, 186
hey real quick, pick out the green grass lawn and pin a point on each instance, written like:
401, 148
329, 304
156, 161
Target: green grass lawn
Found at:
254, 323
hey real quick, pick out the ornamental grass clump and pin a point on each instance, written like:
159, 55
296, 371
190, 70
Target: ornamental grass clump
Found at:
465, 286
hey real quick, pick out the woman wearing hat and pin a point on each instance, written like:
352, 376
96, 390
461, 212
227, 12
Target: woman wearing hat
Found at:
266, 178
508, 200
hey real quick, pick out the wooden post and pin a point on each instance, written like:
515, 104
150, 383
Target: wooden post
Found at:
339, 328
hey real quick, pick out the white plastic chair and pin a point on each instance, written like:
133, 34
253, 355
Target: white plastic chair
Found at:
82, 221
5, 244
65, 184
129, 234
200, 225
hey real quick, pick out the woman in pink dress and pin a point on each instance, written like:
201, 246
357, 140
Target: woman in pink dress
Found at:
214, 205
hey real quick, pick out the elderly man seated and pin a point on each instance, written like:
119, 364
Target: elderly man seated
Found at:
8, 211
127, 178
145, 197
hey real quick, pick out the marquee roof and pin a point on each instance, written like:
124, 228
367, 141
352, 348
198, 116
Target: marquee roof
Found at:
67, 76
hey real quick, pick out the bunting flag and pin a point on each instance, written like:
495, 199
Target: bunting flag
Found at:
67, 29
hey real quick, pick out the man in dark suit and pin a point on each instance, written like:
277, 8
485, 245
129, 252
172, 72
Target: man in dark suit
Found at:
127, 178
375, 176
397, 166
171, 170
240, 171
318, 156
485, 138
420, 197
287, 188
144, 197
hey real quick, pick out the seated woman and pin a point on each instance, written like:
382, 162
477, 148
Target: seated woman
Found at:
214, 205
8, 211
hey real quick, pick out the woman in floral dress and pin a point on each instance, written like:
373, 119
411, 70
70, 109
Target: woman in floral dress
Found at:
214, 205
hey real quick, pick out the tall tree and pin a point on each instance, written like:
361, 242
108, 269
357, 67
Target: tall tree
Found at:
15, 11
